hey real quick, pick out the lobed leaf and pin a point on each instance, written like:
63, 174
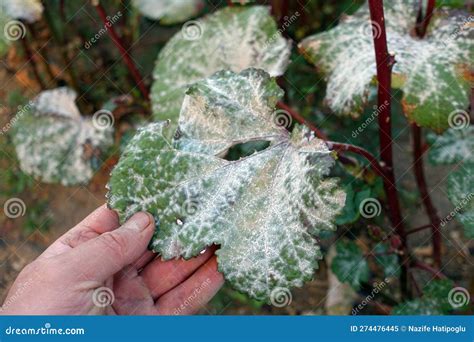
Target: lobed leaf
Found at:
433, 73
54, 143
263, 210
233, 38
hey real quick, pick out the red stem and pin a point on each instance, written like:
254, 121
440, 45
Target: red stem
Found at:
126, 57
423, 22
435, 272
384, 77
426, 226
425, 195
339, 147
298, 117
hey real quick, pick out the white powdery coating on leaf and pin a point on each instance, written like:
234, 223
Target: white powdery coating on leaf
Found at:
460, 188
52, 139
234, 38
227, 109
28, 10
452, 146
429, 71
169, 11
263, 210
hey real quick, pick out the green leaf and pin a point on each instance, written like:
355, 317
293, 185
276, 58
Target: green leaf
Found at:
433, 72
461, 193
234, 38
435, 300
453, 146
54, 143
349, 265
264, 210
389, 262
169, 11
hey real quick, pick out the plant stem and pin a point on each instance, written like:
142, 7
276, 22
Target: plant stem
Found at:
384, 77
126, 57
30, 59
426, 226
341, 147
435, 272
298, 117
425, 195
338, 147
423, 21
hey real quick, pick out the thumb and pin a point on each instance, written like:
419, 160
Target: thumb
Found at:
100, 258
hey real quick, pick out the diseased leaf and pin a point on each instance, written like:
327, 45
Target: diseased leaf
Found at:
433, 72
389, 262
264, 210
234, 38
27, 10
461, 194
349, 265
453, 146
435, 300
227, 109
54, 143
169, 11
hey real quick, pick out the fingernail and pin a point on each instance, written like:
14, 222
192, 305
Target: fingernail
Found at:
139, 221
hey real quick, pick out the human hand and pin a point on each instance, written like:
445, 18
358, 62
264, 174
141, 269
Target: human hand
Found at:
98, 267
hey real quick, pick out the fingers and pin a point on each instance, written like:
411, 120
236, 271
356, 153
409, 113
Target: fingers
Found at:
161, 276
105, 255
98, 222
194, 293
132, 296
